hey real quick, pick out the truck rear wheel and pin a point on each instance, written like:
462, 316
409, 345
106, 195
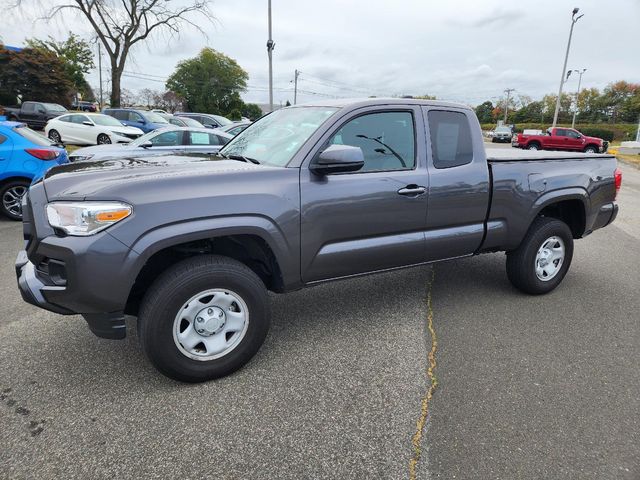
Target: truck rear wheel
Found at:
204, 318
541, 261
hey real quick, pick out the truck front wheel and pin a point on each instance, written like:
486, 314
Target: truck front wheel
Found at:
203, 318
541, 261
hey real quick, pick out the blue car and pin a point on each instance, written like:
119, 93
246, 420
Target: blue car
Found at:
25, 156
142, 119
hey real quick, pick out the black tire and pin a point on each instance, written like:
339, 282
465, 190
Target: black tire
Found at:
55, 136
493, 140
590, 149
521, 262
103, 139
167, 296
11, 198
533, 146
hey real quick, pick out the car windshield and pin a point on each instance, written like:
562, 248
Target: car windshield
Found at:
503, 130
222, 120
154, 117
105, 121
275, 138
54, 107
33, 136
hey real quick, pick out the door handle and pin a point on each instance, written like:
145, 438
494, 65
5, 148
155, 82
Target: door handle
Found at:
412, 190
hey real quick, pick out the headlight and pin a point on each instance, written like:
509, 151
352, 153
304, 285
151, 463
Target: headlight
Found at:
122, 134
86, 218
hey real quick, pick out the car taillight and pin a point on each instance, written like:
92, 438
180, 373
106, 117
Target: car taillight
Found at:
618, 178
43, 153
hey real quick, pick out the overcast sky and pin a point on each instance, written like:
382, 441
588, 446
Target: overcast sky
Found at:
467, 51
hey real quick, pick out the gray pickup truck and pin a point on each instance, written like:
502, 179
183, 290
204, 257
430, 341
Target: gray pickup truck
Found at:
307, 194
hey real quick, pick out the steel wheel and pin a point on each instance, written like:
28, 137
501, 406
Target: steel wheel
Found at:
549, 258
103, 139
211, 324
12, 200
55, 136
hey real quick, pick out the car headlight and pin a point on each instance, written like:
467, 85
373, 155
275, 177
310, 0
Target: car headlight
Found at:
122, 134
86, 218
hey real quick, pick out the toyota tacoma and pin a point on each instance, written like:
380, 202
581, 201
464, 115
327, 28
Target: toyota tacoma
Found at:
307, 194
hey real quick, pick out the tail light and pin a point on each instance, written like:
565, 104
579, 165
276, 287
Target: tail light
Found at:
618, 178
43, 153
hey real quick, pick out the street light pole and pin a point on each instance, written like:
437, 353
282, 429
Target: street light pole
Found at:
270, 45
506, 106
574, 19
575, 110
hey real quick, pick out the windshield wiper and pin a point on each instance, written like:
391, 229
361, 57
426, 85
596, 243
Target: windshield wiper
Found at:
242, 158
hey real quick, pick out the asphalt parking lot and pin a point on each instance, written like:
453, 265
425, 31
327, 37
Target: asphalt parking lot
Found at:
528, 387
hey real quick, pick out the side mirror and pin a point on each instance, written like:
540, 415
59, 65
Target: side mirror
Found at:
147, 144
338, 159
87, 123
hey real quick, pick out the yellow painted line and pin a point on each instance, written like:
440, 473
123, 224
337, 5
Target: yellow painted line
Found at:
433, 384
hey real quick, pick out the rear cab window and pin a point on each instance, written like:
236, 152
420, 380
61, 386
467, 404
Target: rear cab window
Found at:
450, 134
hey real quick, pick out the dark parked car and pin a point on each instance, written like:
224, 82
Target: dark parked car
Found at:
142, 119
35, 114
207, 119
305, 195
84, 106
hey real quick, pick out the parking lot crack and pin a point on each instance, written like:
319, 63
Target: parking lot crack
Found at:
432, 384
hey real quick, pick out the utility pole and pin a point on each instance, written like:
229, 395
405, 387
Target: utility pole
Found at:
270, 45
575, 110
295, 87
100, 74
574, 19
506, 106
638, 133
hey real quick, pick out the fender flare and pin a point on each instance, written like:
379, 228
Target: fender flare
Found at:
169, 235
556, 196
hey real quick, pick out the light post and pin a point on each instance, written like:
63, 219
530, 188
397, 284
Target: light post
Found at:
270, 45
574, 19
575, 110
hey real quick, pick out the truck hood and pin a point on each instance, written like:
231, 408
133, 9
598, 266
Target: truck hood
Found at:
123, 178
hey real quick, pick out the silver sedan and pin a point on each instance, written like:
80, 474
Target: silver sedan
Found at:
165, 140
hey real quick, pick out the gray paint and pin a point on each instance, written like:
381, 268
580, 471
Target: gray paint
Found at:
318, 227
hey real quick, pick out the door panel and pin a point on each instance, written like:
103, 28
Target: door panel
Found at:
359, 222
459, 184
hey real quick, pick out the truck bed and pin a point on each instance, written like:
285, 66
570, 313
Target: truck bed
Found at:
518, 155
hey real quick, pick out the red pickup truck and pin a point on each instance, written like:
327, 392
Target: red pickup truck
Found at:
561, 139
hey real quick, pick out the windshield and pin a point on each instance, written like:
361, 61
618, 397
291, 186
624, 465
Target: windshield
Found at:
154, 117
54, 107
33, 136
105, 120
222, 120
503, 129
275, 138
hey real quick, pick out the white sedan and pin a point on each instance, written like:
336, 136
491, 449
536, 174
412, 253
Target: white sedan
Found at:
89, 129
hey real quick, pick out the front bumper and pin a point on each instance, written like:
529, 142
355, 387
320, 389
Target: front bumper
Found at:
69, 275
33, 290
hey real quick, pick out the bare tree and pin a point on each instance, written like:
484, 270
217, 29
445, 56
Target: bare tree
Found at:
121, 24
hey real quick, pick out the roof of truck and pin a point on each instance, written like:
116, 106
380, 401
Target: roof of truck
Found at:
363, 102
515, 154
